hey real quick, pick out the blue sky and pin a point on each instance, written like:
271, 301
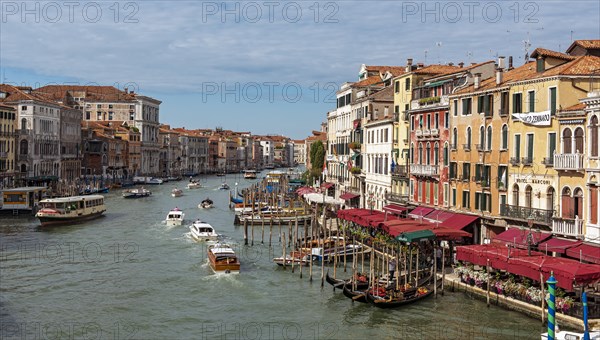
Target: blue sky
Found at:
265, 67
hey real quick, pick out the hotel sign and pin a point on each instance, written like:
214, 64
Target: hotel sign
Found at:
543, 118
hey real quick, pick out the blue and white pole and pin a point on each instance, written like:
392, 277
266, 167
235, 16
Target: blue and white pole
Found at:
551, 306
586, 330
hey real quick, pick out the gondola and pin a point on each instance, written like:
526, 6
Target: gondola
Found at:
401, 298
338, 283
358, 295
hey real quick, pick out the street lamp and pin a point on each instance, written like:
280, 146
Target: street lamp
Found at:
530, 220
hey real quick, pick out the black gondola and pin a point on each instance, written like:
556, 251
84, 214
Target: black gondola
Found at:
358, 295
394, 299
338, 283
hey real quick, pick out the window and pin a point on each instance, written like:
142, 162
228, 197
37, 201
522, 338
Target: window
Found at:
566, 136
539, 65
593, 192
578, 203
24, 108
480, 104
469, 137
428, 154
552, 100
466, 106
436, 151
528, 196
436, 121
579, 140
455, 107
502, 176
446, 119
515, 195
504, 103
397, 86
488, 105
489, 138
466, 171
530, 147
407, 84
453, 197
517, 102
98, 115
454, 138
481, 137
593, 136
446, 155
446, 194
517, 149
531, 99
88, 115
466, 199
397, 109
550, 198
428, 122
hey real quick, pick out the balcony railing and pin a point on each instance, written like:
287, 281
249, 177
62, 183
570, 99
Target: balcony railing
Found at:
527, 161
426, 133
3, 155
397, 198
568, 161
418, 133
399, 172
548, 161
567, 227
524, 213
434, 132
515, 161
23, 158
424, 170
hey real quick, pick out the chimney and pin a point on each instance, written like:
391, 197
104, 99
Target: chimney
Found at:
501, 62
498, 76
461, 64
476, 81
450, 64
420, 65
409, 64
473, 64
510, 61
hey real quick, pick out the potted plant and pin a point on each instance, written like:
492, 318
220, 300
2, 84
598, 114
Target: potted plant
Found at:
354, 145
355, 170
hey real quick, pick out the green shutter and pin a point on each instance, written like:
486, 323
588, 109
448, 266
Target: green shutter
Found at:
514, 106
518, 146
480, 104
531, 101
530, 147
553, 100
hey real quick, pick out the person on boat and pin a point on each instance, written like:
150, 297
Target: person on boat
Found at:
392, 268
438, 256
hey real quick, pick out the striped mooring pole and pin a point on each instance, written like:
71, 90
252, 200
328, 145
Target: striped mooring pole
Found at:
551, 306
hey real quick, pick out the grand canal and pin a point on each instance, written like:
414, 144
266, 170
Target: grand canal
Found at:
128, 276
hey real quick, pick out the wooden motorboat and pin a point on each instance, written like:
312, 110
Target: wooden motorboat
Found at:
222, 258
194, 185
296, 257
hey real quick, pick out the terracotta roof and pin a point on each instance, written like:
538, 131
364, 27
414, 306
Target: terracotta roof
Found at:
576, 107
549, 53
386, 93
15, 94
587, 44
92, 93
437, 69
372, 80
383, 69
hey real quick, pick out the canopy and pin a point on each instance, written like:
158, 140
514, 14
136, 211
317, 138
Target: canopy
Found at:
459, 221
348, 196
419, 212
327, 185
394, 208
518, 237
438, 215
585, 252
304, 190
319, 198
558, 245
414, 236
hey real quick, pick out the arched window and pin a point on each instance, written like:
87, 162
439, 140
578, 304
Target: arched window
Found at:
593, 136
455, 138
593, 206
446, 154
504, 137
436, 154
579, 140
469, 137
578, 202
489, 138
23, 147
23, 124
528, 196
550, 198
421, 153
515, 193
428, 154
566, 139
481, 137
566, 203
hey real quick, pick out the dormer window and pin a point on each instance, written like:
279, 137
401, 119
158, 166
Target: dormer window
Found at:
539, 66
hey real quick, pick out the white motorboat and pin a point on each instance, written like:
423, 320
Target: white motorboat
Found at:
154, 181
566, 335
206, 204
224, 186
136, 193
202, 231
175, 217
194, 185
176, 192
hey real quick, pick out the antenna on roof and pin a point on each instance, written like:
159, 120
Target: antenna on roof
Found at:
425, 56
439, 45
526, 46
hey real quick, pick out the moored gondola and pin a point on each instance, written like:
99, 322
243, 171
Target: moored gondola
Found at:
356, 294
393, 298
339, 283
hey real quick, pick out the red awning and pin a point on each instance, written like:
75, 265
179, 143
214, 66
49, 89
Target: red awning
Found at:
304, 190
327, 185
419, 212
394, 208
348, 196
585, 252
459, 221
438, 215
518, 237
558, 245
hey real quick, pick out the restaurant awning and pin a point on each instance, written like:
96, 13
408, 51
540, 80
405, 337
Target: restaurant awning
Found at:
585, 252
518, 237
394, 208
414, 236
558, 245
327, 185
348, 196
459, 221
438, 215
419, 212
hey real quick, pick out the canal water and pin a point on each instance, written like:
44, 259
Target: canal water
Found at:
128, 276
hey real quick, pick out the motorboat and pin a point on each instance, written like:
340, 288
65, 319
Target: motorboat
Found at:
250, 174
175, 217
176, 192
194, 185
568, 335
206, 204
154, 181
297, 257
224, 186
136, 193
65, 210
202, 231
223, 259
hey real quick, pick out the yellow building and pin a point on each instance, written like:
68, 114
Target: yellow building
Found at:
591, 228
543, 145
8, 126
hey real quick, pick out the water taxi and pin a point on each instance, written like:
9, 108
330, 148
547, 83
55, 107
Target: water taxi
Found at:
202, 231
194, 185
136, 193
222, 258
176, 192
174, 217
70, 209
250, 174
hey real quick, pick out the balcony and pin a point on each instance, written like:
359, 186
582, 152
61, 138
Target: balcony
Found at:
426, 133
399, 172
418, 133
485, 182
568, 161
567, 227
397, 198
424, 170
526, 161
515, 161
524, 213
3, 155
24, 158
548, 161
467, 147
434, 132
